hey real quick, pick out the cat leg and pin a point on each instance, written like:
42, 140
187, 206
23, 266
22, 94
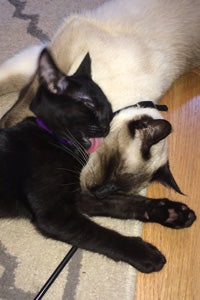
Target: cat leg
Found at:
78, 230
163, 211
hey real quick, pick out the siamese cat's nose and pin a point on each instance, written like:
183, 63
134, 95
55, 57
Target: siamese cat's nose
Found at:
104, 191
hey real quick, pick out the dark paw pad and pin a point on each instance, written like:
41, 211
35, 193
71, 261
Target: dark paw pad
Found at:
172, 214
180, 217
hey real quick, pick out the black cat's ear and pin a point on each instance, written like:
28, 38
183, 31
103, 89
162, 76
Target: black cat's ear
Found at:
153, 131
164, 176
84, 68
49, 74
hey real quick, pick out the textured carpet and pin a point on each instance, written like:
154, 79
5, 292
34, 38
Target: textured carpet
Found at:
27, 259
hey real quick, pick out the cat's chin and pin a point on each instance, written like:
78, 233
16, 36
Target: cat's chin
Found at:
94, 144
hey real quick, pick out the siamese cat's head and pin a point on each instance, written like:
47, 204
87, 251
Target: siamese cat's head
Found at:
73, 105
132, 156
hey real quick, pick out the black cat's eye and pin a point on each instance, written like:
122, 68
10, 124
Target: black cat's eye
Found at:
88, 102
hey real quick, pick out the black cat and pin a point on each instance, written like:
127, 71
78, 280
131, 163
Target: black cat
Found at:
41, 159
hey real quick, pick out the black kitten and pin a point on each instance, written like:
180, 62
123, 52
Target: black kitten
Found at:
41, 160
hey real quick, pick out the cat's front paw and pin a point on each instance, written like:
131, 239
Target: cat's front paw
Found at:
147, 258
171, 214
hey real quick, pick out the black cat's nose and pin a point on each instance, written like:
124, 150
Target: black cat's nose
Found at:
105, 121
104, 191
105, 130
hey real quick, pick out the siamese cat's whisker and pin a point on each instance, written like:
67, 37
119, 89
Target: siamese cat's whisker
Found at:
91, 171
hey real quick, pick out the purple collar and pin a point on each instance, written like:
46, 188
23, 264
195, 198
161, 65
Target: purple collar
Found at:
61, 140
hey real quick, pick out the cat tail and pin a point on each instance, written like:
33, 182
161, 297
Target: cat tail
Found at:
17, 71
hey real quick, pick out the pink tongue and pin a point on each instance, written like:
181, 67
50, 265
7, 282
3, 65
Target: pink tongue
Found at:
96, 142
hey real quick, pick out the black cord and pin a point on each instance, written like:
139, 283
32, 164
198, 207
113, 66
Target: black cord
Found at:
56, 273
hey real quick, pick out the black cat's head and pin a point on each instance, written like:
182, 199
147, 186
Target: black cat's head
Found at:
71, 105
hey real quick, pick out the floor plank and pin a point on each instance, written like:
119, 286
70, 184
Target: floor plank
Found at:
180, 278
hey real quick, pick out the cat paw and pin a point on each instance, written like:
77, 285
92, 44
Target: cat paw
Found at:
171, 214
147, 258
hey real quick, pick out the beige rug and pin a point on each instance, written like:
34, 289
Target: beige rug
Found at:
27, 259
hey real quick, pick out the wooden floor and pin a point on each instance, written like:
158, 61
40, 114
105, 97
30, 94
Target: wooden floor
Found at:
180, 277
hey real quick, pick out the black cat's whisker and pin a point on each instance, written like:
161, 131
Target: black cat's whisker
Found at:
81, 152
70, 183
70, 170
69, 151
89, 165
73, 190
80, 160
77, 144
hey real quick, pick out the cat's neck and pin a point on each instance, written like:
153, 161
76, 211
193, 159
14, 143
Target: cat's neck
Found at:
42, 125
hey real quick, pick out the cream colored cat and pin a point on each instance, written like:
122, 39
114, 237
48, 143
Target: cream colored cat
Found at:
138, 48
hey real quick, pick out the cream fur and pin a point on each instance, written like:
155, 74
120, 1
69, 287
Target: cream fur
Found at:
20, 63
138, 47
17, 71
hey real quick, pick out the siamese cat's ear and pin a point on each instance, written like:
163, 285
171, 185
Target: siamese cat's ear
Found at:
49, 74
152, 132
84, 68
164, 176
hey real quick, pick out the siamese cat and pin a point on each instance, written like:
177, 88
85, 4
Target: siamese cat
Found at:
133, 154
138, 49
42, 156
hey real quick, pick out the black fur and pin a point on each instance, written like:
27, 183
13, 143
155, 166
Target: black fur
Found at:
39, 176
164, 176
